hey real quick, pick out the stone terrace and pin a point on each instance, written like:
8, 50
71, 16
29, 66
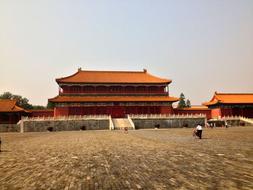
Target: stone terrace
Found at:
141, 159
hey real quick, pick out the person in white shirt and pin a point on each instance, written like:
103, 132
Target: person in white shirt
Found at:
199, 131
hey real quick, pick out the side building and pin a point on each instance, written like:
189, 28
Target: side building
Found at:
10, 112
115, 93
231, 104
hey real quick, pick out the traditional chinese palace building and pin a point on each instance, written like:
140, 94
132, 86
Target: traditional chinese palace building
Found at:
115, 93
10, 113
231, 104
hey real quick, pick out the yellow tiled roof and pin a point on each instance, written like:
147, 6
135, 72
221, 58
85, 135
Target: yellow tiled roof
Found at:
84, 76
7, 105
231, 98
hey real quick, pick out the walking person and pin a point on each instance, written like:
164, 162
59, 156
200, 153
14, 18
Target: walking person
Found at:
125, 130
199, 131
226, 124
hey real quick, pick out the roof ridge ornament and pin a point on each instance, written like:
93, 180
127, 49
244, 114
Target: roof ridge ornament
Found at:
145, 70
79, 68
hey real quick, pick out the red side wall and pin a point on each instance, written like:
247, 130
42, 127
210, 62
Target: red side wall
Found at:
41, 113
189, 112
61, 111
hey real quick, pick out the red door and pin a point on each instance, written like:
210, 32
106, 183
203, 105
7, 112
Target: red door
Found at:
118, 112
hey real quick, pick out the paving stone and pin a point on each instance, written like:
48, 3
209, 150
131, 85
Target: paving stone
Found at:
142, 159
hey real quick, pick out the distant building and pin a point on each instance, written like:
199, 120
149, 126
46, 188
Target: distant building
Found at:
115, 93
10, 113
231, 104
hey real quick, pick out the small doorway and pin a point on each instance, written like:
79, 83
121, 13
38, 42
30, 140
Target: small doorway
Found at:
118, 112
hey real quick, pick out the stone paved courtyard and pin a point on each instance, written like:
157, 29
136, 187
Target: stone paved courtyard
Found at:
141, 159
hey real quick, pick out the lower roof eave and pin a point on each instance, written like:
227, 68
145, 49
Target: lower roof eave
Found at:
95, 99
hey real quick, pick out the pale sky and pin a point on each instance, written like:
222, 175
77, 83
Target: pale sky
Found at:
202, 45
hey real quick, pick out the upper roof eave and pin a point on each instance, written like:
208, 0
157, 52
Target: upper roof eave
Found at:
111, 77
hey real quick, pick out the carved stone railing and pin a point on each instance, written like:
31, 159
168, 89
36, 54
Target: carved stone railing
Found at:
157, 116
60, 118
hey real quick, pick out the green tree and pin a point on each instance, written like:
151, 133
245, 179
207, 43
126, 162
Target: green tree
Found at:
188, 103
50, 105
21, 101
6, 95
181, 103
38, 107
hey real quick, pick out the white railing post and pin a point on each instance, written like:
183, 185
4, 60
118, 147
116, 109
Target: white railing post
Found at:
131, 121
111, 125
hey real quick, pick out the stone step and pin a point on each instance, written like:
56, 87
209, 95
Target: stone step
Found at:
122, 123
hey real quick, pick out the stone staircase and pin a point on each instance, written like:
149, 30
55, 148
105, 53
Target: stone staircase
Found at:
121, 123
247, 120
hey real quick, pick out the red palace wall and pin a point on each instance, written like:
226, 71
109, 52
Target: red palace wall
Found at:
226, 112
166, 110
216, 113
223, 112
248, 112
112, 89
114, 111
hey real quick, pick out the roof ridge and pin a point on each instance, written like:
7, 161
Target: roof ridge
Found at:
80, 70
115, 71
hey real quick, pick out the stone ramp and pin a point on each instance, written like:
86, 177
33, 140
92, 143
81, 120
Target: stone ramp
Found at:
247, 120
121, 123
